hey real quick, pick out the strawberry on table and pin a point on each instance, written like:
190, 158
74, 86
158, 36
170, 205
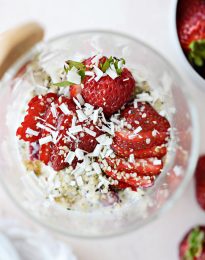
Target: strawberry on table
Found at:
192, 246
191, 29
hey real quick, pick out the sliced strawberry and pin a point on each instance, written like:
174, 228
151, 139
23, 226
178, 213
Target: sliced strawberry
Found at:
140, 166
122, 185
68, 102
143, 140
155, 151
61, 148
146, 116
88, 142
37, 107
139, 181
45, 152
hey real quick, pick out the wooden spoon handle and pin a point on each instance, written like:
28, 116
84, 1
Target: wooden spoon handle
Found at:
16, 42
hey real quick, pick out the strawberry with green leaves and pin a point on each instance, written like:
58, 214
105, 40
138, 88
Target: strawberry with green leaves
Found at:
192, 247
191, 29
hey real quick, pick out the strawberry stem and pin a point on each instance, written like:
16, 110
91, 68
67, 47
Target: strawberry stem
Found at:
195, 244
197, 52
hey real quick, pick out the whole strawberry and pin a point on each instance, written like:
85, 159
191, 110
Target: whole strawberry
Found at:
191, 29
110, 88
192, 247
200, 181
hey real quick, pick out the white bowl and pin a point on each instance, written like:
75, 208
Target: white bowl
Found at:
198, 80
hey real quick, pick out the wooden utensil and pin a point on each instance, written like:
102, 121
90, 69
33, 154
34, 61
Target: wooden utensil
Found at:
15, 42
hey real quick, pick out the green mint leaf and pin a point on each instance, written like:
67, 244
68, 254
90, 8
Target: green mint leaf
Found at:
107, 64
82, 74
63, 84
78, 65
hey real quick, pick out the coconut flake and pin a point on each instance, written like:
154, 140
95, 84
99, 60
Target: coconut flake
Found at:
77, 103
80, 99
96, 151
106, 129
137, 130
73, 76
135, 103
144, 97
95, 116
104, 140
88, 110
70, 135
79, 181
148, 140
30, 131
74, 119
131, 158
89, 73
81, 116
79, 154
54, 136
70, 157
45, 140
112, 72
109, 152
75, 129
99, 73
154, 132
64, 108
157, 162
73, 183
96, 167
53, 110
44, 127
78, 170
90, 132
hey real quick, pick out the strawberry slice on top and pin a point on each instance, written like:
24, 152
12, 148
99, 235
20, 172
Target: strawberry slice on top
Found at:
37, 107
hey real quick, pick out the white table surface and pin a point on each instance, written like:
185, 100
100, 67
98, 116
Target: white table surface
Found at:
149, 20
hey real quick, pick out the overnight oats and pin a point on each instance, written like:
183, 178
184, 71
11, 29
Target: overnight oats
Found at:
97, 136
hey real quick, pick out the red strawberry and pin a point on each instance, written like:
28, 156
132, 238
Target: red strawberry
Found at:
200, 181
191, 29
133, 182
36, 108
146, 117
192, 246
86, 141
155, 151
143, 140
110, 94
61, 149
140, 166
